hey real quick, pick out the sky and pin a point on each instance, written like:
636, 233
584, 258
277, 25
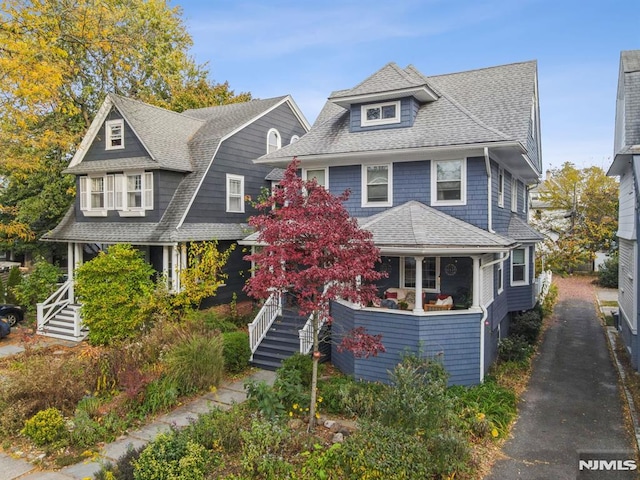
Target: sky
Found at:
308, 49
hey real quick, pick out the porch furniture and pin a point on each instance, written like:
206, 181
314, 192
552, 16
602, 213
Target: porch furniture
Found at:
443, 302
406, 295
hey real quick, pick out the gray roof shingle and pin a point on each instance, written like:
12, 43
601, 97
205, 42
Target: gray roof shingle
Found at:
521, 231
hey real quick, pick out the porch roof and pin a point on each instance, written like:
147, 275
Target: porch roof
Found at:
415, 228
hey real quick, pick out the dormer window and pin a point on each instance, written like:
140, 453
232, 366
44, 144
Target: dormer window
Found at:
380, 114
274, 140
114, 134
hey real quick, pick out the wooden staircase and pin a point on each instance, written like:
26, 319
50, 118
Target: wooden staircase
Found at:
62, 325
281, 341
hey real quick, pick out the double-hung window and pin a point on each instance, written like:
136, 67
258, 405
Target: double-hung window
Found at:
514, 194
520, 266
114, 134
430, 268
235, 193
501, 188
97, 193
377, 181
129, 194
320, 175
448, 182
274, 140
380, 114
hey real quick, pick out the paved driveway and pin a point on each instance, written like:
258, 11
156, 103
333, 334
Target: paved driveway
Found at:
572, 406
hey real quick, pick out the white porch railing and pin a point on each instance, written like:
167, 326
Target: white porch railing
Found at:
306, 334
271, 309
543, 282
58, 301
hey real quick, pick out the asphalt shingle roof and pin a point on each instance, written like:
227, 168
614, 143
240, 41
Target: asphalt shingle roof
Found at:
479, 106
630, 62
201, 132
522, 231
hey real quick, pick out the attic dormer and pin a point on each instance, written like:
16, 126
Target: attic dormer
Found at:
390, 98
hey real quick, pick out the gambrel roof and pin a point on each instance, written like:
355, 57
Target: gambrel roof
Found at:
486, 107
185, 142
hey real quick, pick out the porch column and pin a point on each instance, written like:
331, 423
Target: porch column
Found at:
77, 255
418, 308
175, 264
70, 270
165, 266
475, 300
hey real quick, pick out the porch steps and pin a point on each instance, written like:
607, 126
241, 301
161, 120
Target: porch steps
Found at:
61, 325
280, 342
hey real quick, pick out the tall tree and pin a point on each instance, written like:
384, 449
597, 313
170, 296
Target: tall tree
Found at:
583, 208
315, 251
58, 59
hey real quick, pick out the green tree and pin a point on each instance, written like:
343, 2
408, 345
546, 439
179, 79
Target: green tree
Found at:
35, 287
114, 289
58, 59
15, 277
585, 202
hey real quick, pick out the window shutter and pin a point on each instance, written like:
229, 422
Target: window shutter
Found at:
83, 193
148, 191
110, 192
119, 192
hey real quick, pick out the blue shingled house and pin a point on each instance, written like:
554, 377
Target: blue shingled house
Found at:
626, 165
439, 169
159, 180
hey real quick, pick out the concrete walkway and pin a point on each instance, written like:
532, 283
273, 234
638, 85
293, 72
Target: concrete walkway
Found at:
572, 408
226, 395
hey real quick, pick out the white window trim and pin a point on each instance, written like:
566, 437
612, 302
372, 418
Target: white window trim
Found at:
526, 268
294, 139
115, 195
381, 121
126, 210
434, 184
514, 194
500, 266
501, 187
365, 201
107, 125
278, 137
239, 178
305, 171
424, 289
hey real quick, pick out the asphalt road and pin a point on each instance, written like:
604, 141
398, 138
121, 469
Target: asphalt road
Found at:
572, 408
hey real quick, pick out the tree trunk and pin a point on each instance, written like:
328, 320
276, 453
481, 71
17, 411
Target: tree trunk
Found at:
314, 373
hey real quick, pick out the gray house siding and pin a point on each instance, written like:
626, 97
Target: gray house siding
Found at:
132, 146
235, 157
408, 110
521, 297
501, 215
165, 184
238, 270
453, 339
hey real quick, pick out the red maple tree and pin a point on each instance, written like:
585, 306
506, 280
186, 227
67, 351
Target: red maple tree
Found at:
316, 252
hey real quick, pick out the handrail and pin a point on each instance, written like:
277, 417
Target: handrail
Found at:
306, 334
271, 309
56, 302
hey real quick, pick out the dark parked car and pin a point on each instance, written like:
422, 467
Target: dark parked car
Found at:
12, 313
4, 328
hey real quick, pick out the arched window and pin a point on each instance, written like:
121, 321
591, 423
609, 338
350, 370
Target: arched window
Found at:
274, 141
294, 139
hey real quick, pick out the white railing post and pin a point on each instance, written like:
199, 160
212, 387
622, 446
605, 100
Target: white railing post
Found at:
271, 309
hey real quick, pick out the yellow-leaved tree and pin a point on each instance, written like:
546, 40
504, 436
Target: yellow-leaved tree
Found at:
58, 59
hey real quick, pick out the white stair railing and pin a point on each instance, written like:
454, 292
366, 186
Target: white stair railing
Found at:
56, 302
306, 334
271, 309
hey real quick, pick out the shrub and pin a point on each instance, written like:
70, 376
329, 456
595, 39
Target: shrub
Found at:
3, 293
262, 448
196, 361
114, 289
219, 429
300, 363
172, 456
346, 396
211, 320
14, 279
41, 282
608, 273
237, 351
514, 349
159, 395
123, 469
526, 325
265, 399
46, 427
550, 300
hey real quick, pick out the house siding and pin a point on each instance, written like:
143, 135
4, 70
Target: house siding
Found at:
627, 207
132, 145
627, 279
408, 111
235, 156
451, 338
237, 270
521, 297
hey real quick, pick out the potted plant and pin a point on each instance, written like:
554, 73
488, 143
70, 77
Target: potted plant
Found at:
402, 305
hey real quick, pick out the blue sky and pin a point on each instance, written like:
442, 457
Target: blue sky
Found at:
309, 49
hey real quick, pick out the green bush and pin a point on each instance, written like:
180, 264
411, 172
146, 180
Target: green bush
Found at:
237, 351
36, 287
211, 320
195, 362
514, 349
265, 399
114, 288
219, 429
608, 273
526, 325
346, 396
47, 427
262, 449
159, 395
123, 469
300, 363
172, 456
14, 279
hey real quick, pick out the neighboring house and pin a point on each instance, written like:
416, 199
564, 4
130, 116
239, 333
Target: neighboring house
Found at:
548, 220
438, 168
626, 165
159, 180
